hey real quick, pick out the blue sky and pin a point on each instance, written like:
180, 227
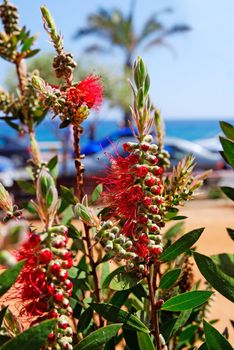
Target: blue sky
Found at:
196, 82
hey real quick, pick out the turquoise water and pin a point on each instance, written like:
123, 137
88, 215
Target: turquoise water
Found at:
187, 129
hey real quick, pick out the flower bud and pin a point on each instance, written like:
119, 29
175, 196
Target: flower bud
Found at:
14, 234
5, 200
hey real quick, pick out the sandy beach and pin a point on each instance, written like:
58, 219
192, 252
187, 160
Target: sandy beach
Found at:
215, 216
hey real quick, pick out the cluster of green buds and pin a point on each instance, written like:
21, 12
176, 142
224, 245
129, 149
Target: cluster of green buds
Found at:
63, 63
182, 183
15, 42
10, 18
135, 238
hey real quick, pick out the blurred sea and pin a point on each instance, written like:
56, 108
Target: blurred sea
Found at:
190, 129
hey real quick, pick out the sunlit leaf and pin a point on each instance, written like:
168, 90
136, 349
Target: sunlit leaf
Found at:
223, 283
215, 340
186, 301
181, 245
99, 337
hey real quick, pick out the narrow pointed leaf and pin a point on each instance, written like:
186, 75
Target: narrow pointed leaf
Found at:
215, 340
231, 233
186, 301
32, 339
228, 130
145, 341
114, 314
225, 262
119, 279
96, 193
85, 319
228, 191
169, 278
99, 337
9, 277
223, 283
181, 320
228, 148
181, 245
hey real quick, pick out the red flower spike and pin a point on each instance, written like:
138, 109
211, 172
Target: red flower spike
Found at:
45, 256
34, 240
55, 269
89, 92
51, 337
58, 297
147, 201
68, 284
156, 190
144, 147
154, 209
150, 181
142, 171
53, 314
142, 219
156, 251
158, 171
68, 263
51, 288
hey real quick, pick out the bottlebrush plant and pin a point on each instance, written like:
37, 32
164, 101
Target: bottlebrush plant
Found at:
101, 272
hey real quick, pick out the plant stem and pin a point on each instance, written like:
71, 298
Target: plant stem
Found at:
79, 166
21, 74
154, 313
80, 193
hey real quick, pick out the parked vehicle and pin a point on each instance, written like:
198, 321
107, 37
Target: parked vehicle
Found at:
177, 148
14, 148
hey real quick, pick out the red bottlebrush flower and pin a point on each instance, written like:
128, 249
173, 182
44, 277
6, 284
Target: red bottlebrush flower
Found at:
55, 269
142, 171
89, 92
68, 263
58, 297
154, 209
141, 247
156, 190
34, 240
158, 171
145, 147
53, 314
142, 219
150, 181
156, 251
51, 337
68, 284
51, 288
45, 256
147, 201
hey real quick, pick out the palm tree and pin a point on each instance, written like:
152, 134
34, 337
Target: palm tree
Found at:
116, 28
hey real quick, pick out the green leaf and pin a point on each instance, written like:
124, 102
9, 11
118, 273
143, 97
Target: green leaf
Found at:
181, 245
223, 283
228, 147
32, 53
203, 347
85, 319
113, 314
225, 262
174, 230
119, 298
99, 337
169, 278
228, 191
27, 186
231, 233
186, 301
181, 320
145, 341
188, 333
172, 212
53, 166
215, 340
32, 339
2, 315
9, 277
228, 130
67, 195
28, 43
119, 279
96, 193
